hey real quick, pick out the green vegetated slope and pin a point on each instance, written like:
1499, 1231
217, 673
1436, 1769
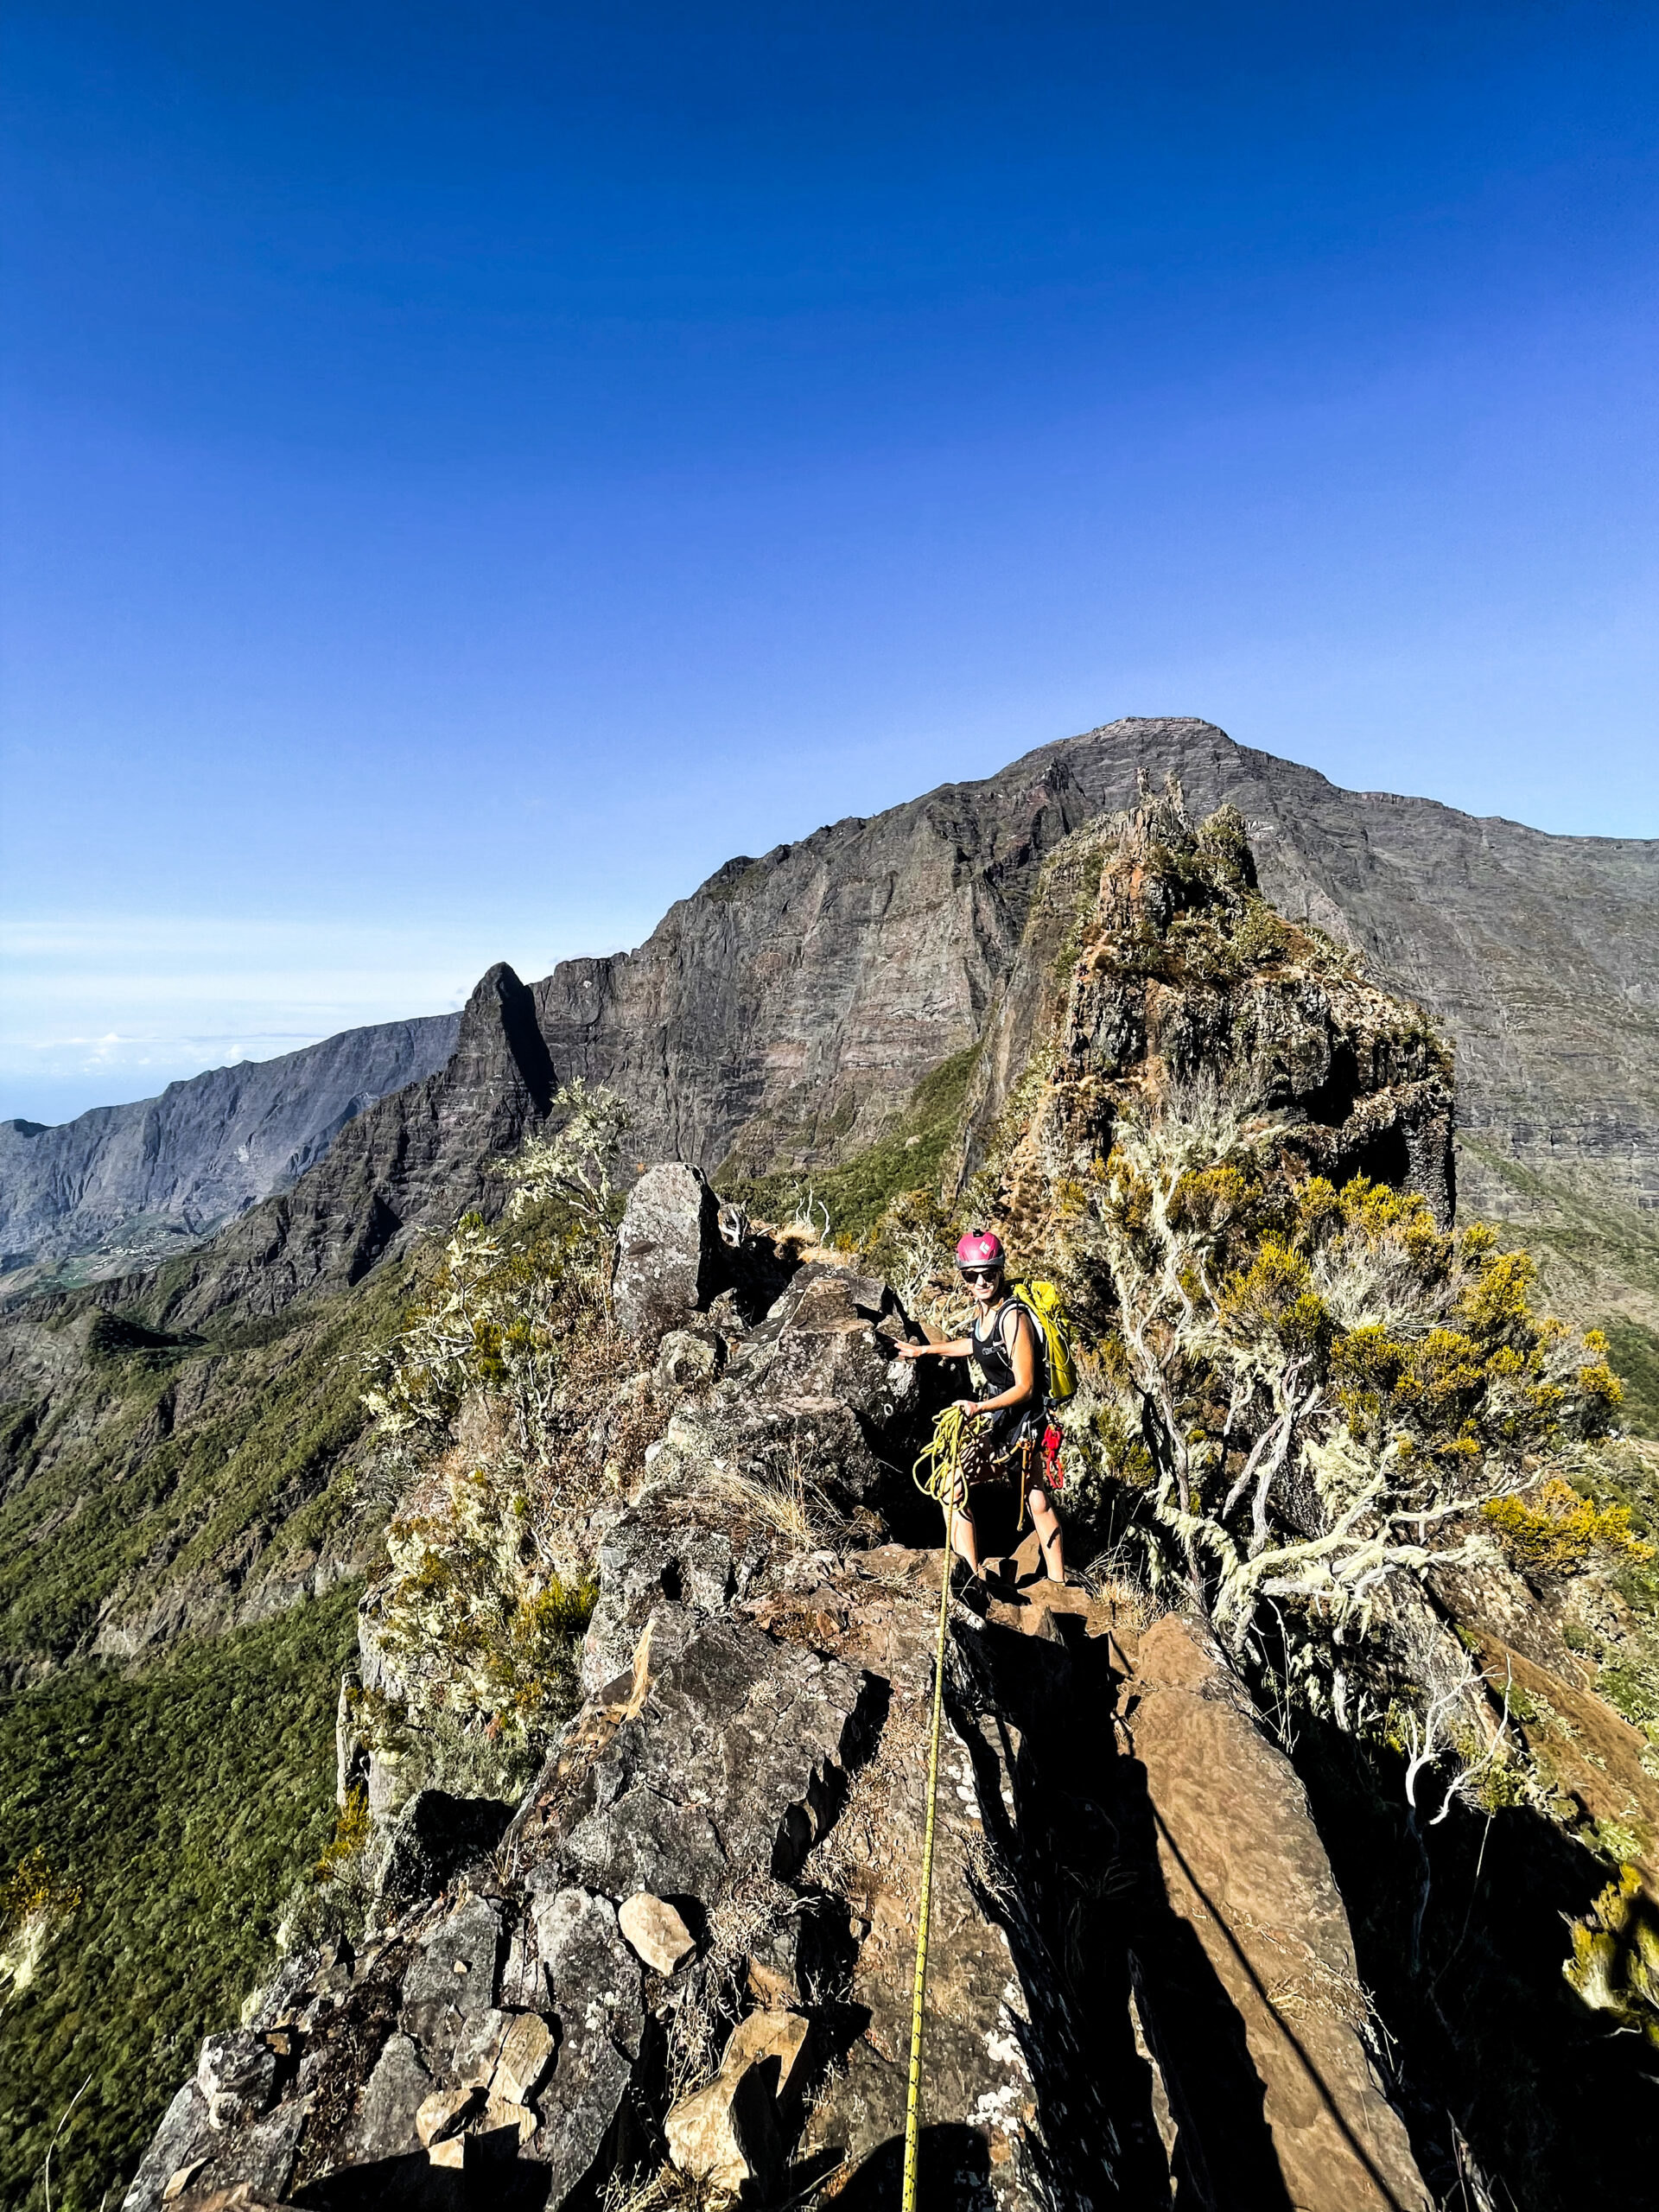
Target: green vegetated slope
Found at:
178, 1470
1634, 1352
1597, 1260
183, 1799
172, 1481
910, 1156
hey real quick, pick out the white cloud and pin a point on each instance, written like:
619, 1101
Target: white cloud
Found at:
100, 1008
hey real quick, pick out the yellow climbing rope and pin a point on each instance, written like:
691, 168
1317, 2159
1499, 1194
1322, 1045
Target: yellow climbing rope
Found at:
946, 1458
942, 1457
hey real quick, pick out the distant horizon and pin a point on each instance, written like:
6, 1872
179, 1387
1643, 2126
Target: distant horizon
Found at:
468, 472
304, 1041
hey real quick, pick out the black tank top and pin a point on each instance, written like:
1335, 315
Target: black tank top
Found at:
991, 1349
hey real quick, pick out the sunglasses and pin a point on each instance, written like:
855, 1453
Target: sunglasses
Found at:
982, 1275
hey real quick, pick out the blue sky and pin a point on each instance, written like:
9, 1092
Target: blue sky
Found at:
469, 471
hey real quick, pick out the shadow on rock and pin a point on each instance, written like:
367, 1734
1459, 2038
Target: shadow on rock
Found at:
413, 2184
953, 2174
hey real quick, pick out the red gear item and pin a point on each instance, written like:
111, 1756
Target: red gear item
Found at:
1052, 1440
980, 1249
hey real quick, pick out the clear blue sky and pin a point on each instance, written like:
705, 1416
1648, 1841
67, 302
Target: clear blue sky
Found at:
470, 470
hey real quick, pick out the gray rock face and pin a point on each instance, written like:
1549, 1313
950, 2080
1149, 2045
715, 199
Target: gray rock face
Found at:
153, 1177
669, 1257
641, 1564
183, 2138
383, 2127
594, 1979
728, 1767
813, 1395
236, 2074
783, 1013
453, 1978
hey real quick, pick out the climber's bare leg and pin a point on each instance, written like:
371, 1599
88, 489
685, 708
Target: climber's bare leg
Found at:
963, 1534
1047, 1524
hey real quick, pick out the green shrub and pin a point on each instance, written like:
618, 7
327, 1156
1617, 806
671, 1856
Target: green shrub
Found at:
910, 1157
1557, 1532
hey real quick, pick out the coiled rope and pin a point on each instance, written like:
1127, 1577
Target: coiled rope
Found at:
942, 1459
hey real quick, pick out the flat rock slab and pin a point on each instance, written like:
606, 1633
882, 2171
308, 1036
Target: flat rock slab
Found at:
594, 1982
1244, 1872
731, 1764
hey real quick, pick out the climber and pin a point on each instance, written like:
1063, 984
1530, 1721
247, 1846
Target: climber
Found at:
1009, 1419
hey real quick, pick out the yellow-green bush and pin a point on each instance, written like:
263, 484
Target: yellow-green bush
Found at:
1556, 1532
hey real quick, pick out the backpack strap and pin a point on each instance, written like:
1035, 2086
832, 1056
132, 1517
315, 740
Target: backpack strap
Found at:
1038, 1349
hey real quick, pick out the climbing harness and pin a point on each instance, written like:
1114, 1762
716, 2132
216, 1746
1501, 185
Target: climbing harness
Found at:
912, 2109
941, 1471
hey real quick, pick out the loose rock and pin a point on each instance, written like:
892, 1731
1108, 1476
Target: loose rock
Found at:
726, 2135
656, 1931
526, 2054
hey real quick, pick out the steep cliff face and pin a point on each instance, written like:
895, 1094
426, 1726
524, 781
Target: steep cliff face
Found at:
134, 1182
780, 1017
416, 1160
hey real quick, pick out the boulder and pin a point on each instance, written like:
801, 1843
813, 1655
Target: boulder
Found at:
779, 2045
669, 1260
444, 2114
656, 1931
434, 1836
236, 2074
479, 2046
646, 1559
735, 1758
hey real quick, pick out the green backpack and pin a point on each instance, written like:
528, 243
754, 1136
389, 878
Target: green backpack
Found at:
1042, 1301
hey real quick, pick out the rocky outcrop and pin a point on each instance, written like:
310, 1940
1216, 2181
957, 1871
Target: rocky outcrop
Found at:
668, 1252
140, 1181
694, 1940
1150, 965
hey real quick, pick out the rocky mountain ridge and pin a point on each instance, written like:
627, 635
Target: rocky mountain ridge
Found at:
131, 1183
185, 1450
688, 1951
780, 1017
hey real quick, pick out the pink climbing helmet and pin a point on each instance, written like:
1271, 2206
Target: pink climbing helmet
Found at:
980, 1249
